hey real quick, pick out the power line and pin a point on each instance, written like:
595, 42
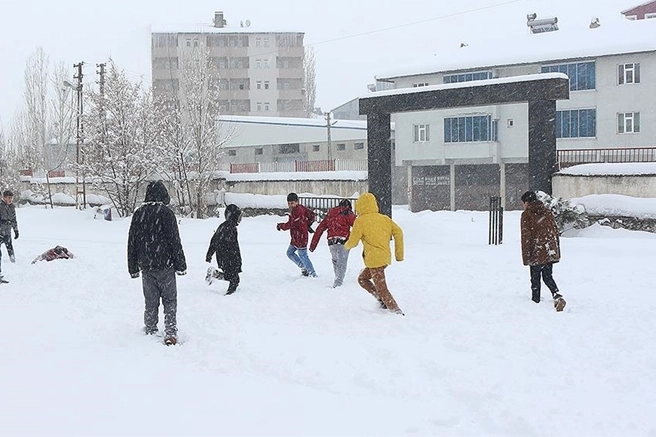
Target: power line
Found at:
398, 26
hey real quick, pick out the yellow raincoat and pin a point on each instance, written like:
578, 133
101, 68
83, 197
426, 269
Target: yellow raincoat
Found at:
375, 230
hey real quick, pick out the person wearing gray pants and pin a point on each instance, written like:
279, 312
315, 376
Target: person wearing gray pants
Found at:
155, 249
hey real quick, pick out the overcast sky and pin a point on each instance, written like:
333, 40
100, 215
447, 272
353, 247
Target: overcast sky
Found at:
353, 40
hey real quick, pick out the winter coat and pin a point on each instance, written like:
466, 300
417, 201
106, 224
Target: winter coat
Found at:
375, 230
7, 218
540, 236
225, 245
154, 241
298, 223
57, 252
338, 222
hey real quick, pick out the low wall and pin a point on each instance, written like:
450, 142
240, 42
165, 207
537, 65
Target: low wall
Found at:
341, 188
571, 186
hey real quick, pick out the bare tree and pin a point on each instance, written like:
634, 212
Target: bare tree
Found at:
310, 85
190, 118
35, 95
120, 148
9, 175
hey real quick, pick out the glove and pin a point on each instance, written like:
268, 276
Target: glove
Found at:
134, 275
208, 260
16, 234
310, 230
181, 272
278, 226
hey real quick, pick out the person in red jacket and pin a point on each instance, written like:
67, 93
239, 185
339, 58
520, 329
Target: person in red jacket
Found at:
338, 222
298, 224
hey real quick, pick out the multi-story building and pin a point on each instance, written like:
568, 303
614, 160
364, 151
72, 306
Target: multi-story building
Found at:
612, 80
261, 72
641, 12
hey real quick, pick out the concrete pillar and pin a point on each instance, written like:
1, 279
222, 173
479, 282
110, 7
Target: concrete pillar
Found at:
542, 156
379, 154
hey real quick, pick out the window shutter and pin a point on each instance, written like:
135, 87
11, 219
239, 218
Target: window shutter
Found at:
636, 122
636, 74
620, 74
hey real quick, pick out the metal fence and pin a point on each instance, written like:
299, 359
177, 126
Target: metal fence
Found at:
321, 205
495, 226
567, 158
294, 166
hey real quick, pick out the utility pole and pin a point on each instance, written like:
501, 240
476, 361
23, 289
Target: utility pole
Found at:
78, 139
327, 115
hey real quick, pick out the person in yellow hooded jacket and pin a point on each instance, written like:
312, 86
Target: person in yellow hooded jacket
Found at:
376, 230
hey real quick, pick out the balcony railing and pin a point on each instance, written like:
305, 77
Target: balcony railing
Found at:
568, 158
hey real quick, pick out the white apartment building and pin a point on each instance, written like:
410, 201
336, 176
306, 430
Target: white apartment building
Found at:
612, 105
261, 71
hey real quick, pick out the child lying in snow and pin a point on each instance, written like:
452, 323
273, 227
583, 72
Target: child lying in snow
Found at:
57, 252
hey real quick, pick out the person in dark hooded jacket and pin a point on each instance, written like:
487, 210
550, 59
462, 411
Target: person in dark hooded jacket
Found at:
540, 246
155, 250
225, 245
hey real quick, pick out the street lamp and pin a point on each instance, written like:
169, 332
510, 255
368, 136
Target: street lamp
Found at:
78, 136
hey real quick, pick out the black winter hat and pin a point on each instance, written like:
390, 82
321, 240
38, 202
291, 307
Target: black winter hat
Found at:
346, 203
529, 197
292, 197
232, 212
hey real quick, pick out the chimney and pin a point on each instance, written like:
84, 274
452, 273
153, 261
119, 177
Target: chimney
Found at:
218, 19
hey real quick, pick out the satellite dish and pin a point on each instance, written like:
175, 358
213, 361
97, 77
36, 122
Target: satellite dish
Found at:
248, 23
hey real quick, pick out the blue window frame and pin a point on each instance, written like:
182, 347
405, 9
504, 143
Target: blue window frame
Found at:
576, 123
467, 77
470, 128
581, 74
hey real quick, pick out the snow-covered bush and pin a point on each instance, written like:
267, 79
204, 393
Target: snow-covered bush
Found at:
567, 214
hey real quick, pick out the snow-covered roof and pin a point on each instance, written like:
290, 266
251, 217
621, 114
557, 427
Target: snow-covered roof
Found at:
476, 83
294, 121
622, 36
611, 169
204, 28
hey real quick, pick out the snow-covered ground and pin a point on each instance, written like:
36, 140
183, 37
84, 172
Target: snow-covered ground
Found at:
288, 355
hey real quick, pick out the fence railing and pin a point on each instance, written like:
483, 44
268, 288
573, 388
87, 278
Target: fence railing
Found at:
294, 166
567, 158
321, 205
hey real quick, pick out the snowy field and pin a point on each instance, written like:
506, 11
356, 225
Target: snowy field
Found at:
288, 355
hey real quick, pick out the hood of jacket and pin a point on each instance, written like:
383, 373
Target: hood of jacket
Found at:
366, 204
536, 208
232, 213
157, 192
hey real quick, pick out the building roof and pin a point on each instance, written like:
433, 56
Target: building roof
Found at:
638, 7
614, 38
260, 131
205, 28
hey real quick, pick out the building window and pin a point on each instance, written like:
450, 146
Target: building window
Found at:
358, 146
467, 77
628, 122
421, 133
266, 106
232, 152
650, 15
581, 74
188, 42
417, 85
258, 84
471, 128
195, 42
576, 123
265, 40
259, 150
266, 84
316, 148
289, 148
266, 63
628, 73
341, 147
258, 105
258, 63
258, 41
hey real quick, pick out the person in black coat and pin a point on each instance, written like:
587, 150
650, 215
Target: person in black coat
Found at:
225, 245
155, 250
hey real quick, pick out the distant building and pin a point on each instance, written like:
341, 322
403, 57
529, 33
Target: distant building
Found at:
641, 12
348, 111
262, 71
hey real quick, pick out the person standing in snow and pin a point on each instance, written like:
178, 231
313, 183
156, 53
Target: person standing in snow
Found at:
376, 230
155, 249
540, 246
338, 222
225, 245
7, 223
298, 224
